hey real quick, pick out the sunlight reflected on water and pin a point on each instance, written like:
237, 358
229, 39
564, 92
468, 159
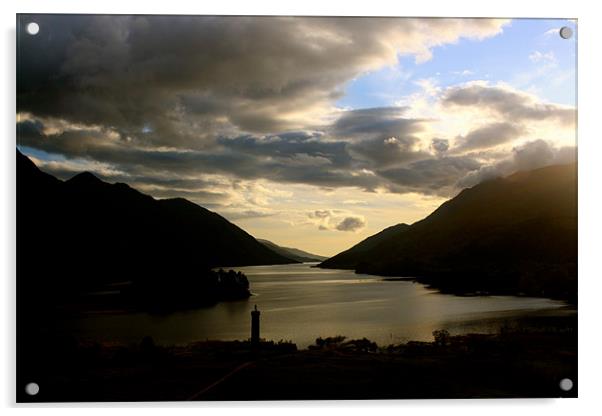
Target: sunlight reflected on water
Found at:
301, 303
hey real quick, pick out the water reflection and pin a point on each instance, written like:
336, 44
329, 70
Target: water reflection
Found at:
301, 303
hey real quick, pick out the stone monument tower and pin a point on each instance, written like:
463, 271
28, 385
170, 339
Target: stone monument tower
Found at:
255, 326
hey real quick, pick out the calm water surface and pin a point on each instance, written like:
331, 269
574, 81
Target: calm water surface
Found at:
301, 303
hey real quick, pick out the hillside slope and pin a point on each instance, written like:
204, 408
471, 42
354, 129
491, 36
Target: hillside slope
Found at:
292, 253
507, 235
84, 234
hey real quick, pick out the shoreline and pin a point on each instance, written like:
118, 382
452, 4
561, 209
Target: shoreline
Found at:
527, 361
439, 283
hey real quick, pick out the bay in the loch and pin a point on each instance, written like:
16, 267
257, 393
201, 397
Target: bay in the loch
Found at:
300, 303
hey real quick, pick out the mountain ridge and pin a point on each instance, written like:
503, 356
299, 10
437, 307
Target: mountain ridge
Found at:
292, 253
82, 234
516, 234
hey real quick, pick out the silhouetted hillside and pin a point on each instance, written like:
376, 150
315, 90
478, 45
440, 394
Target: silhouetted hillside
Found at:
84, 234
507, 235
292, 253
349, 259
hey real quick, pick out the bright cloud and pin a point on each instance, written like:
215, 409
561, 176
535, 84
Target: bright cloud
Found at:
239, 115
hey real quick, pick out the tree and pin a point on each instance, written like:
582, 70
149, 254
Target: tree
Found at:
441, 337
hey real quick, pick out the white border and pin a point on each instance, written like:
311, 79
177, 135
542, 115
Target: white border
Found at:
590, 232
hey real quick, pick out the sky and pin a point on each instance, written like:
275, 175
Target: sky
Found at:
313, 133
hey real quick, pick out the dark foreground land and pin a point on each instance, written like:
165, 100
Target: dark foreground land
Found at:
527, 362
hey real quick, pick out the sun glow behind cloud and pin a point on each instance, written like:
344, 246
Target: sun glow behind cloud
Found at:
358, 119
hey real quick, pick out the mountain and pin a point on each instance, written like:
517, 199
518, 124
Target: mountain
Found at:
350, 259
292, 253
516, 234
84, 234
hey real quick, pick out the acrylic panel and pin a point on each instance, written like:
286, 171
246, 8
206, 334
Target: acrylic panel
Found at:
295, 208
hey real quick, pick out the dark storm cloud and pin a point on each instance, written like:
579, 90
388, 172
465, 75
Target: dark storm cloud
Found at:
30, 130
94, 145
380, 136
293, 147
489, 135
189, 76
386, 152
299, 157
380, 122
288, 158
78, 143
351, 224
165, 99
435, 176
510, 104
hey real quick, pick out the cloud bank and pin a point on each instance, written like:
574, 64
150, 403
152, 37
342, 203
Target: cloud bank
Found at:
213, 108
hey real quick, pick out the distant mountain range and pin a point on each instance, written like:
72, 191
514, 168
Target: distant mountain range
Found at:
82, 234
292, 253
516, 234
